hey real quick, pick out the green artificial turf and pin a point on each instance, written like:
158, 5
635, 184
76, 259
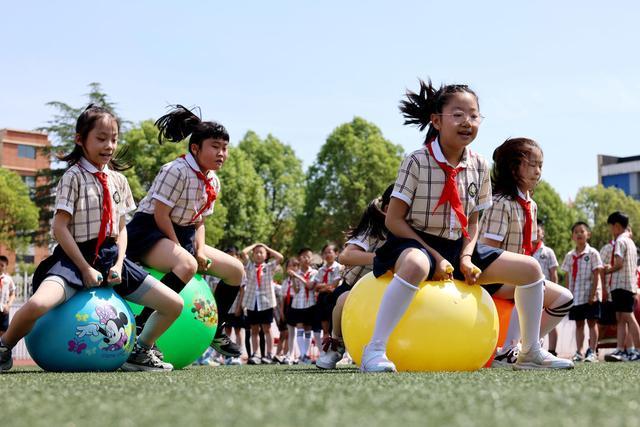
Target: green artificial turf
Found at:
600, 394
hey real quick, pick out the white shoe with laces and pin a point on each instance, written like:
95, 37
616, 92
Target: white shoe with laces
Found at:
540, 359
374, 359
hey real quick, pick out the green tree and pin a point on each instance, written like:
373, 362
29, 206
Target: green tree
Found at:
557, 217
61, 131
284, 180
594, 204
355, 165
242, 201
18, 214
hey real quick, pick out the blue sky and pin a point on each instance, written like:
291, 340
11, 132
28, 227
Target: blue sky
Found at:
564, 73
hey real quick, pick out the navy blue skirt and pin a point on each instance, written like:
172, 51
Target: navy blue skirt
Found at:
387, 255
59, 264
143, 234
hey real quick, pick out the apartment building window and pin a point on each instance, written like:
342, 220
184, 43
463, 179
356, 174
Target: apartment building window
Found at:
26, 151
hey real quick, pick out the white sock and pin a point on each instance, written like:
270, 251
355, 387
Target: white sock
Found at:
300, 341
290, 339
307, 343
513, 331
555, 312
529, 303
395, 301
317, 336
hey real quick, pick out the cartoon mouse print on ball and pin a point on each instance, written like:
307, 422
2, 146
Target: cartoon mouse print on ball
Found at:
111, 326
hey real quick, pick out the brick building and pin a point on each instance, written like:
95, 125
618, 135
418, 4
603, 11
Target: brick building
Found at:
19, 152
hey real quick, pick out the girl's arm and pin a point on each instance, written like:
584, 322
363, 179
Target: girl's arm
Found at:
90, 277
162, 216
553, 274
355, 255
115, 272
397, 224
470, 271
594, 287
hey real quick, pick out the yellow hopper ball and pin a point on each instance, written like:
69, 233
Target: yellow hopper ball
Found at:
449, 325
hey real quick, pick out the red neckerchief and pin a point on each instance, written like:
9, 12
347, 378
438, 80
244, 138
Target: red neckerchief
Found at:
325, 278
259, 274
574, 267
306, 290
450, 191
106, 219
208, 188
287, 298
536, 248
527, 230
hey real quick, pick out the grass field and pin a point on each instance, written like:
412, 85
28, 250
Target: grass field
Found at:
598, 394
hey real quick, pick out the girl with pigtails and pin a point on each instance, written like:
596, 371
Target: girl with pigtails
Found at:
167, 232
433, 226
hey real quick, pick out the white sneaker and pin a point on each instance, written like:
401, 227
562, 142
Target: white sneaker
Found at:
332, 354
540, 359
374, 360
505, 356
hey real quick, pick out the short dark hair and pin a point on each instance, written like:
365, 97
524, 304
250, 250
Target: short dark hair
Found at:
303, 250
4, 259
618, 218
579, 223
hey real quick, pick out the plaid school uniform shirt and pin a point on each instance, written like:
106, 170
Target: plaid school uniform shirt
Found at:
80, 194
547, 260
369, 244
7, 287
587, 263
328, 273
606, 255
178, 187
504, 222
259, 296
420, 183
304, 298
626, 277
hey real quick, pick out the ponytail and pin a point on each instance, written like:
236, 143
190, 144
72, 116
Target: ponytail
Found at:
179, 123
417, 108
372, 221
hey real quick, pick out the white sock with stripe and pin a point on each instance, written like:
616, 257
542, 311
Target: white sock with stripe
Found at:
395, 301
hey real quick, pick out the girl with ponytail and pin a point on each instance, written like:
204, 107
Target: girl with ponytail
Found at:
167, 231
433, 225
357, 257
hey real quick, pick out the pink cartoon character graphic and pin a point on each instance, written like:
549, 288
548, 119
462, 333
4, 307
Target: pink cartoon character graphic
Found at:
111, 328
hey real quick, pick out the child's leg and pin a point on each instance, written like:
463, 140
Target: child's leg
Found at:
167, 306
266, 328
224, 266
166, 255
292, 335
255, 331
593, 334
411, 268
524, 273
239, 333
558, 301
632, 328
49, 295
325, 328
621, 330
300, 339
284, 342
337, 315
579, 336
307, 340
317, 338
